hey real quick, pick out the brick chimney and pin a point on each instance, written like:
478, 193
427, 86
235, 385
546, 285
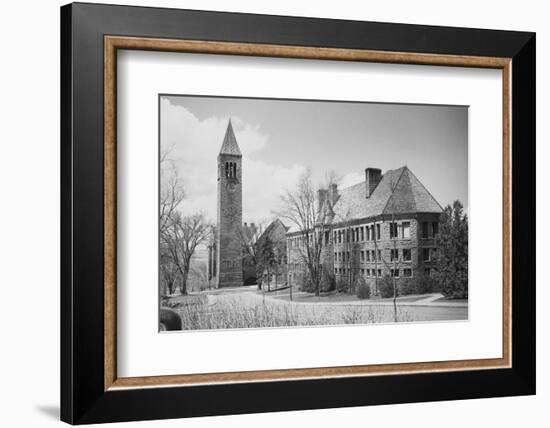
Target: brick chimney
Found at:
372, 178
333, 193
321, 198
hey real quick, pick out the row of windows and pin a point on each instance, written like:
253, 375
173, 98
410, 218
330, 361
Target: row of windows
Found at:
371, 233
377, 273
374, 255
365, 233
357, 234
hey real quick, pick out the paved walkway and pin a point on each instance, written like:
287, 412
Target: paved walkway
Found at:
251, 293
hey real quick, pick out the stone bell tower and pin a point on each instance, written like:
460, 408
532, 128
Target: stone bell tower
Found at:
230, 213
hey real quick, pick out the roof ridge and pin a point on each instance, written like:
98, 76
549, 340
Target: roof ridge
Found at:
395, 187
426, 189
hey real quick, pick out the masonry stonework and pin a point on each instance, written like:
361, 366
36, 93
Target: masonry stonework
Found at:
355, 248
230, 213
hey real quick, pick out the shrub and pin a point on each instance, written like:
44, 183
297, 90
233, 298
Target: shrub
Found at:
408, 286
341, 285
304, 282
169, 320
362, 289
385, 286
426, 284
328, 282
421, 284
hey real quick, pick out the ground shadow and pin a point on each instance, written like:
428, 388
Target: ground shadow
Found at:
49, 410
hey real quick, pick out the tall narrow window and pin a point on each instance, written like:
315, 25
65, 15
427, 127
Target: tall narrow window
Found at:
407, 254
435, 229
227, 169
424, 229
426, 254
406, 228
393, 231
378, 231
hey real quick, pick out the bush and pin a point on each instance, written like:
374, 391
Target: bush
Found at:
407, 286
341, 285
169, 320
426, 284
421, 284
304, 282
328, 282
385, 286
363, 289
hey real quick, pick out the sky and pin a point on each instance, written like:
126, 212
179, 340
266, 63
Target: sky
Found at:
280, 139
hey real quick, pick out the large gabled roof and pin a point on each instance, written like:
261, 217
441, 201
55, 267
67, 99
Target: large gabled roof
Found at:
398, 192
229, 145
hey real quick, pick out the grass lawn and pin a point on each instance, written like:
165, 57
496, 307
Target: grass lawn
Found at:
253, 310
334, 297
443, 299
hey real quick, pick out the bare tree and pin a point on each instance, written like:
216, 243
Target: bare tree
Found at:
394, 232
168, 272
181, 238
171, 196
249, 236
301, 208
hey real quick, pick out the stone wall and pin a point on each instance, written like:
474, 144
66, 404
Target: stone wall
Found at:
229, 226
352, 255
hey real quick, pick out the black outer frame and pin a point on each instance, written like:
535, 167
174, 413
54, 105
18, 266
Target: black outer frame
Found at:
83, 399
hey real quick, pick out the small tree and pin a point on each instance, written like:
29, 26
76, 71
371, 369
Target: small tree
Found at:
386, 287
363, 289
451, 271
267, 259
301, 208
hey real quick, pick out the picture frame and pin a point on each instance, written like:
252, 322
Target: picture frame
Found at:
91, 391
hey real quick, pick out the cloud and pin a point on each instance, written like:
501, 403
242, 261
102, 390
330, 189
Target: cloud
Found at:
350, 179
193, 146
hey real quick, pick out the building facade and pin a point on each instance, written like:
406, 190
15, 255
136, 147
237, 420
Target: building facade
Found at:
385, 225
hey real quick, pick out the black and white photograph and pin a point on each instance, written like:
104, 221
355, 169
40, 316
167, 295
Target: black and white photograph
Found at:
290, 213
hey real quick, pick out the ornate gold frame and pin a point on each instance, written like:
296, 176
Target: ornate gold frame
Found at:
113, 43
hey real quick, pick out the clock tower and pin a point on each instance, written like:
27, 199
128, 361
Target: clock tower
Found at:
230, 213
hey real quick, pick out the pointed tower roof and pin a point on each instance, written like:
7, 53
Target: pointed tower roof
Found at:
229, 145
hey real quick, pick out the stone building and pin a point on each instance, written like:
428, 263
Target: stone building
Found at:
384, 225
225, 257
